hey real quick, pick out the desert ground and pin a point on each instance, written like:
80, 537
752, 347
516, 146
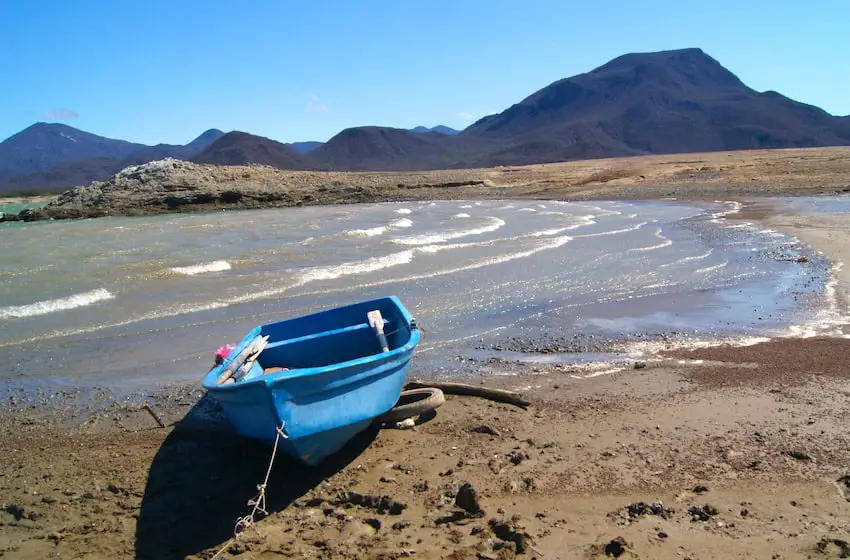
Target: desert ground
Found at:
719, 452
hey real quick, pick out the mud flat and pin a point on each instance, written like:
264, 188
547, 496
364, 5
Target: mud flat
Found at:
718, 452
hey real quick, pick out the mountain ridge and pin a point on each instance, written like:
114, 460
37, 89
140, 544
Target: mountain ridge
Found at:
670, 101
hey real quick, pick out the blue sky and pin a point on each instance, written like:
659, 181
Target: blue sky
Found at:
164, 71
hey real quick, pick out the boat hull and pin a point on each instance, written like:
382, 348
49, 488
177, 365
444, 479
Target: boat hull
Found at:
328, 399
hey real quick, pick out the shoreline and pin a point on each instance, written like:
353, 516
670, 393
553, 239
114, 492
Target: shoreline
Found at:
174, 186
744, 446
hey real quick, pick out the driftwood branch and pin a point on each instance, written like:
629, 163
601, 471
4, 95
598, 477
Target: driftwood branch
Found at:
154, 415
497, 395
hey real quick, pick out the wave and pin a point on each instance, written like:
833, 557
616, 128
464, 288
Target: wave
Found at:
688, 259
665, 242
403, 211
495, 223
401, 223
467, 206
52, 305
215, 266
615, 231
347, 269
547, 232
527, 210
370, 232
710, 268
461, 215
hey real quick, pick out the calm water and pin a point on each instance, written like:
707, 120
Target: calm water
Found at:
141, 301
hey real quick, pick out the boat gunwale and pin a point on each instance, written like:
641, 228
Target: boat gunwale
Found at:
209, 381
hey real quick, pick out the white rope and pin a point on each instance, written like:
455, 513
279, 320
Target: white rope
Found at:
258, 503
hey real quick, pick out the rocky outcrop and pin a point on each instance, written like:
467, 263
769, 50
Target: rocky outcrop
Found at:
172, 185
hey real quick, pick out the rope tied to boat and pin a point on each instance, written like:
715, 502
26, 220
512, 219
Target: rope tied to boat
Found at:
259, 502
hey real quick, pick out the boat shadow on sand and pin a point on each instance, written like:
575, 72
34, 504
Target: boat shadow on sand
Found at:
203, 476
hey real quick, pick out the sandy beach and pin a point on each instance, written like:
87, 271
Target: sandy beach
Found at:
719, 452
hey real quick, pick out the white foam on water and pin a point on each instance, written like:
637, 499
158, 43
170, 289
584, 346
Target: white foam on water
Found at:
461, 215
495, 223
710, 268
215, 266
829, 320
347, 269
688, 259
665, 242
403, 211
401, 223
527, 210
614, 231
548, 232
370, 232
467, 206
54, 305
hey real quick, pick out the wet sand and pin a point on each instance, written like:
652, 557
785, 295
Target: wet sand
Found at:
712, 453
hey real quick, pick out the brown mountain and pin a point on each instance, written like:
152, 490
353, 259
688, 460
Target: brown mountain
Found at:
664, 102
238, 148
376, 148
44, 146
84, 171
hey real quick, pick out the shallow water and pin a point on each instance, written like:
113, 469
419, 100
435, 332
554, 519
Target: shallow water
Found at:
140, 301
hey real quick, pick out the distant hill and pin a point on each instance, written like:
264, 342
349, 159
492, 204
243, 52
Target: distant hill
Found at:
304, 147
83, 172
238, 148
43, 146
439, 128
664, 102
375, 148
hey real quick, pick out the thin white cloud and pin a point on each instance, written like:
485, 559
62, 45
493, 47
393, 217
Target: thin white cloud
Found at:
316, 105
60, 114
466, 116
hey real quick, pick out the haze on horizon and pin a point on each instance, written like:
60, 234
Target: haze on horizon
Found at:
160, 71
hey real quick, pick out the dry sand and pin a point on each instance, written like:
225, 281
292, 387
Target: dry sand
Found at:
720, 452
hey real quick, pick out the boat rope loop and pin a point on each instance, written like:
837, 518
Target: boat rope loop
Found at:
259, 503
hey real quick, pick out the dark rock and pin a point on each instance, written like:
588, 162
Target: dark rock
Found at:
662, 535
467, 500
517, 457
843, 547
381, 504
510, 534
400, 525
639, 509
484, 429
640, 365
702, 513
420, 486
700, 489
617, 547
799, 455
20, 512
373, 522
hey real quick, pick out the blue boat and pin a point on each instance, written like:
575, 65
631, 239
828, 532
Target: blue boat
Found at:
324, 377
